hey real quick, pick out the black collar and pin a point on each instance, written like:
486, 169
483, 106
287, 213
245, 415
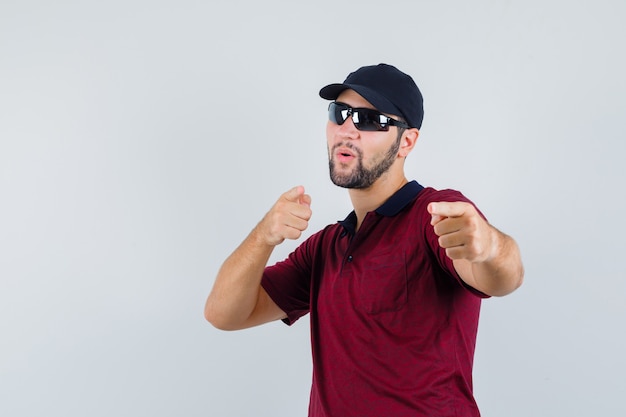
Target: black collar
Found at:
391, 207
400, 199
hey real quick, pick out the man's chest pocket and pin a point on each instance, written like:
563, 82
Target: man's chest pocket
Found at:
382, 286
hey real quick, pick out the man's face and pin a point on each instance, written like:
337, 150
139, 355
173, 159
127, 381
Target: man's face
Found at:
356, 158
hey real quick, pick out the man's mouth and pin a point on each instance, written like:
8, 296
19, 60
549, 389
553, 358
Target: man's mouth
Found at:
344, 155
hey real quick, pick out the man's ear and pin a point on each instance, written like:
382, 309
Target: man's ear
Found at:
408, 141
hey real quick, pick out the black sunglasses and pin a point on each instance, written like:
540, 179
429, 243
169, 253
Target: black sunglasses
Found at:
368, 120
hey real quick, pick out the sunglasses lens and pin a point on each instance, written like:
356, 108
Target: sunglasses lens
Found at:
371, 121
338, 113
363, 119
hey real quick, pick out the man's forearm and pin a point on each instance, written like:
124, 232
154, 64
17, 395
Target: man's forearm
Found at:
503, 273
237, 299
236, 289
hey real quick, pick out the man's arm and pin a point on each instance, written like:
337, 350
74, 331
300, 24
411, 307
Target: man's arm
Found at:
485, 258
237, 300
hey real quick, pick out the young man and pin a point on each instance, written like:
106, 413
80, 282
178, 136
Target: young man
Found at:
394, 290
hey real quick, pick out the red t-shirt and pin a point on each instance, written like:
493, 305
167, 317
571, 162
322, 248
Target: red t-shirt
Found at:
393, 327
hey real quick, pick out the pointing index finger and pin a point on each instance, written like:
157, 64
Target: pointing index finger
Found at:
294, 194
447, 209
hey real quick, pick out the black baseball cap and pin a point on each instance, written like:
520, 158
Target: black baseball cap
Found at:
387, 88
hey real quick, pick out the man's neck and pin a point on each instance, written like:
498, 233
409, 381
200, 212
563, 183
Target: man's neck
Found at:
369, 199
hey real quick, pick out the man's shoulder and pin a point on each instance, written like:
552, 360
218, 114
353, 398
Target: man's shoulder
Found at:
430, 194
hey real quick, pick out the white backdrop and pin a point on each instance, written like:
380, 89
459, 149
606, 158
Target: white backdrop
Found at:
140, 141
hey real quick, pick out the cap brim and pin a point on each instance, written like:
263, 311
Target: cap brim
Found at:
332, 91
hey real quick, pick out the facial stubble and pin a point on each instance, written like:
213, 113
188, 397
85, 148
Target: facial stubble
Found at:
362, 177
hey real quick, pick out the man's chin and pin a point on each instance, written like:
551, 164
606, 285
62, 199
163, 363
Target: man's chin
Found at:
348, 183
341, 181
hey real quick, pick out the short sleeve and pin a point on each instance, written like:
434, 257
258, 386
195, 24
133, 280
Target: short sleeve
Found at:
433, 240
288, 283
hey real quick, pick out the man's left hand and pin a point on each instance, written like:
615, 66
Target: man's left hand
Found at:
462, 231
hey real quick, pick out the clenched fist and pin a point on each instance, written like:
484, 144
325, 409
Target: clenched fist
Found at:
288, 218
462, 231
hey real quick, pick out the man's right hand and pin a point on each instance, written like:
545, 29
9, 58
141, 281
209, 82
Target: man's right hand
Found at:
288, 218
